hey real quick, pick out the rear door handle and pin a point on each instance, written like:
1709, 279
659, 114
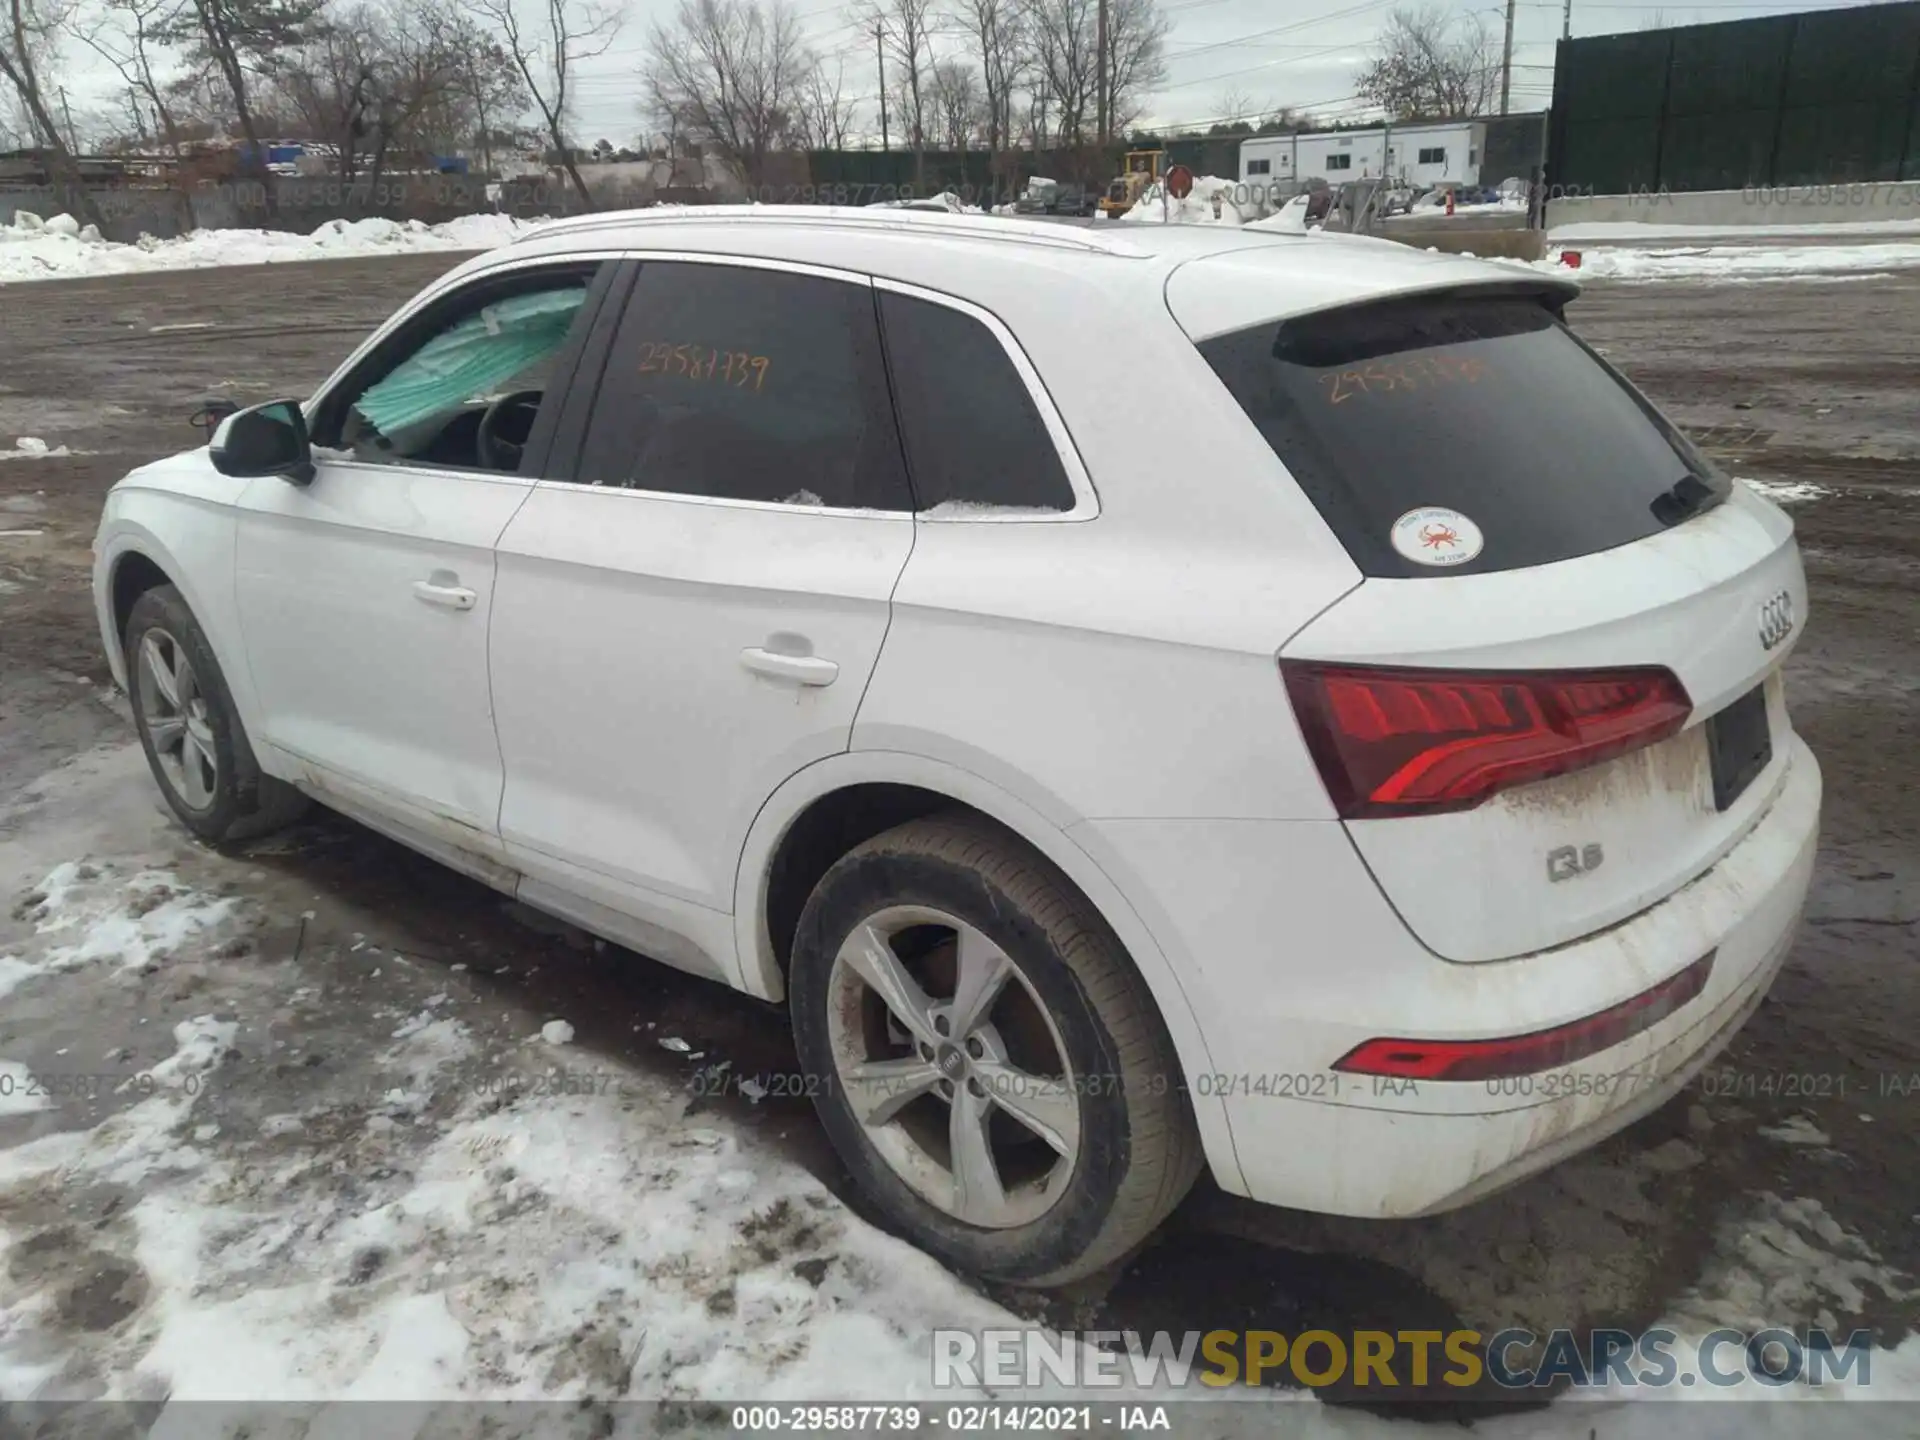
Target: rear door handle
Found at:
454, 597
803, 669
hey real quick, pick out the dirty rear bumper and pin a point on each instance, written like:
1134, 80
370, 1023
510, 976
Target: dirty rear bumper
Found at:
1284, 989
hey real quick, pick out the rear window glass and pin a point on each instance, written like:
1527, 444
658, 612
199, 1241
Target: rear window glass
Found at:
1403, 420
974, 436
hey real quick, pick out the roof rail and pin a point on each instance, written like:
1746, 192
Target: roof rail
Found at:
895, 218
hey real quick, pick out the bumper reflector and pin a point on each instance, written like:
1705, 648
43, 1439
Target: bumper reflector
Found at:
1531, 1053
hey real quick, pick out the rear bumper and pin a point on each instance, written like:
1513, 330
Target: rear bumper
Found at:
1292, 957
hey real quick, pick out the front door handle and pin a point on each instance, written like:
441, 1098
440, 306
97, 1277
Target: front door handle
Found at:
454, 597
802, 669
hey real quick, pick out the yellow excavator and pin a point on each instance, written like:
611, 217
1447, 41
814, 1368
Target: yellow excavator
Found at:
1142, 169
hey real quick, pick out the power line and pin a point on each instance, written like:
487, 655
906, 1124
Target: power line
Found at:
1264, 65
1285, 29
1688, 5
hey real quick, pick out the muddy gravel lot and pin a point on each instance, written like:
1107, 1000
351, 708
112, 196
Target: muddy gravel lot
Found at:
1783, 1188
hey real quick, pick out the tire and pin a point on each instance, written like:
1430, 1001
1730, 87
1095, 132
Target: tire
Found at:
944, 896
195, 744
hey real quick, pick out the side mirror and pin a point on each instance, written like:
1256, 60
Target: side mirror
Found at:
266, 440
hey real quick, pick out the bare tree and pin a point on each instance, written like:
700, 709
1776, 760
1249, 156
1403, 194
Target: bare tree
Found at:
825, 114
413, 81
485, 78
953, 94
906, 29
126, 37
329, 84
1136, 50
1234, 107
546, 49
16, 129
239, 40
198, 100
994, 31
29, 30
1036, 126
1065, 67
732, 75
1431, 63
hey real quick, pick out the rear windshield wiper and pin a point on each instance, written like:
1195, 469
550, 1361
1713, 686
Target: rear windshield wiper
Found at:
1687, 498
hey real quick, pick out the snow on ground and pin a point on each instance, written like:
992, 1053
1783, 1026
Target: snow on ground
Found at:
441, 1212
31, 447
1740, 262
91, 913
58, 249
1592, 230
1433, 205
1797, 1130
1788, 492
462, 1228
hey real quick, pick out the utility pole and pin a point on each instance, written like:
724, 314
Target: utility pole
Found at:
1506, 59
1566, 21
880, 55
73, 145
1100, 45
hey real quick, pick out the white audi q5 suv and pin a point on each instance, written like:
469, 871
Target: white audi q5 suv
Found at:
1146, 698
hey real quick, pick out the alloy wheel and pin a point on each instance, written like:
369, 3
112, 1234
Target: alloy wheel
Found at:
949, 1060
178, 720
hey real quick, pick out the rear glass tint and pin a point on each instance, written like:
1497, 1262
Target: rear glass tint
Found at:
973, 434
1487, 407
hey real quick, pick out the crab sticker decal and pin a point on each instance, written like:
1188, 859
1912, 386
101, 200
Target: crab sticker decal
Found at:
1435, 535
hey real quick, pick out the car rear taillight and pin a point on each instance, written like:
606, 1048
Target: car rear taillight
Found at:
1531, 1053
1392, 741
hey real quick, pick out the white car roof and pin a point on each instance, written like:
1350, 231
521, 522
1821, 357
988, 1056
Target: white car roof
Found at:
1214, 278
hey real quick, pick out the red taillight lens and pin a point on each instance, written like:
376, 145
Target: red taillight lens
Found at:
1532, 1053
1392, 741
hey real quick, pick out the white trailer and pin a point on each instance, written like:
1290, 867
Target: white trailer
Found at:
1267, 159
1417, 155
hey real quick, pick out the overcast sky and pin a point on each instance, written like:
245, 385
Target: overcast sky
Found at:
1299, 53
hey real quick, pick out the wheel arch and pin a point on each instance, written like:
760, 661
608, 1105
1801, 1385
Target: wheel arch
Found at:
833, 805
133, 558
133, 573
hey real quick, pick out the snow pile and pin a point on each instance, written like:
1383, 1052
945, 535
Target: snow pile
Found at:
56, 249
1739, 262
532, 1245
88, 915
946, 201
1788, 492
1592, 230
1433, 205
1155, 208
1797, 1130
32, 447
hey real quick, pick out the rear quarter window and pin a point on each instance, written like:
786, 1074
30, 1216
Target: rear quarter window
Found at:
974, 436
1487, 407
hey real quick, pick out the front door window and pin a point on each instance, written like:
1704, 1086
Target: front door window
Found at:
466, 393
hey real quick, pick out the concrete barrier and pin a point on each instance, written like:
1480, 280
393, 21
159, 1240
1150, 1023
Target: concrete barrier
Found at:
125, 215
1809, 205
1509, 243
